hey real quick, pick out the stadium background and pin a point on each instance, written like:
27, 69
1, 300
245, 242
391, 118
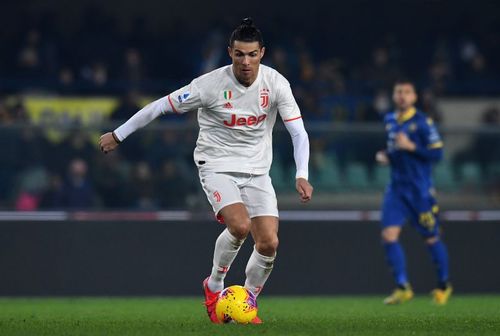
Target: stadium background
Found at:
76, 222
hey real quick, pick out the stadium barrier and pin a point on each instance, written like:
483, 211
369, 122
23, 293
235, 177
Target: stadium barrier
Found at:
184, 215
169, 253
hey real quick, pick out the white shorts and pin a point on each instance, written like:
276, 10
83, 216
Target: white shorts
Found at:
256, 192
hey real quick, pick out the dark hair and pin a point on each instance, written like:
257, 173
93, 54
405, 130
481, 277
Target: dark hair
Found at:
246, 32
402, 81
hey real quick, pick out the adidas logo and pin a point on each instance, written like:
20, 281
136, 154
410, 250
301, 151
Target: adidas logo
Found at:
228, 105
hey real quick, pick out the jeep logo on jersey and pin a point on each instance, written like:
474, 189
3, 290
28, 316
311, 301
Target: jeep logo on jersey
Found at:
264, 98
242, 121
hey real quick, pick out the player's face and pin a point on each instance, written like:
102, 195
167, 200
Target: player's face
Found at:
246, 58
404, 96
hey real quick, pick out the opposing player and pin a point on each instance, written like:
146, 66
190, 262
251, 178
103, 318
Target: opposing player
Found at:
237, 107
413, 144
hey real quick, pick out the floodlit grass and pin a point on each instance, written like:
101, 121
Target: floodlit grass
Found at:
464, 315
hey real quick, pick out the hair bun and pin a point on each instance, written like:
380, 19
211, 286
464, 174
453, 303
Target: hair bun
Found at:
247, 22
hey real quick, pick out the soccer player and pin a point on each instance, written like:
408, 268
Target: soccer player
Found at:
413, 144
237, 107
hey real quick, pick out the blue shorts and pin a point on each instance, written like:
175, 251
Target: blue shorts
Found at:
420, 209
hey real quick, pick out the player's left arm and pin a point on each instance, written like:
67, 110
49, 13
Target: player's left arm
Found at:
432, 146
300, 141
290, 113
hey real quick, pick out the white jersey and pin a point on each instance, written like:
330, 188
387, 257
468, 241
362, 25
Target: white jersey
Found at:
236, 122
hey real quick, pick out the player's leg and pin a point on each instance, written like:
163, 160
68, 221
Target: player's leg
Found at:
396, 260
261, 262
394, 254
265, 234
394, 214
439, 255
393, 218
224, 196
429, 227
228, 243
260, 199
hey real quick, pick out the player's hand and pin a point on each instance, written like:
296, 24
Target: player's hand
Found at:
404, 143
304, 188
382, 158
107, 143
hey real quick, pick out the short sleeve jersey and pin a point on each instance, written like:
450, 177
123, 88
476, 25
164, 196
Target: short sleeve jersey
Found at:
236, 122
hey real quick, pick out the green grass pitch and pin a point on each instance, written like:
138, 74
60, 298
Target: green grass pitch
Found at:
361, 315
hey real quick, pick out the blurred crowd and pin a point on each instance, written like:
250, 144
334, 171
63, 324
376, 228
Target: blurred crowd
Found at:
96, 57
155, 170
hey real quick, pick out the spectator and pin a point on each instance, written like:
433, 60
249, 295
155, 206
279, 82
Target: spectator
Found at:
76, 146
110, 175
30, 147
52, 197
375, 111
29, 59
66, 80
127, 107
33, 181
170, 187
279, 60
429, 106
77, 191
143, 187
212, 53
5, 116
484, 148
381, 72
133, 69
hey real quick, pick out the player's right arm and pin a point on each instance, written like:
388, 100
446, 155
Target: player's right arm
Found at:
148, 113
180, 101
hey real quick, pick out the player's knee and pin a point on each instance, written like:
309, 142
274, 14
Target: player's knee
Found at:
267, 247
390, 235
239, 227
431, 240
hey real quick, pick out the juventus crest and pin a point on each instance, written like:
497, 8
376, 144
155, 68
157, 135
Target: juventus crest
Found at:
264, 98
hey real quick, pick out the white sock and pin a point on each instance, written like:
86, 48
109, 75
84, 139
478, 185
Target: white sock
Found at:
226, 249
258, 269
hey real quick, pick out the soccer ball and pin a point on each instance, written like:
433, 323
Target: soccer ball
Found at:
236, 304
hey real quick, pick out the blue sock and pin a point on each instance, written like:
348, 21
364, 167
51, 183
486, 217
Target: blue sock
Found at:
396, 260
440, 260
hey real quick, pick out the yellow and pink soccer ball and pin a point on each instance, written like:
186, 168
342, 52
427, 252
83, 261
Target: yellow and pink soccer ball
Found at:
236, 304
